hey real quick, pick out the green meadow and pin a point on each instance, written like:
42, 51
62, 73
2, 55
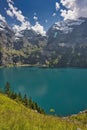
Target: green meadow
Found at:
15, 116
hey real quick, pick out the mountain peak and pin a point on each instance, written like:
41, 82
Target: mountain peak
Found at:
69, 32
66, 26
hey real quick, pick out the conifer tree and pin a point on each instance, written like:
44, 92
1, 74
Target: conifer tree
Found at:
7, 89
30, 102
25, 100
20, 96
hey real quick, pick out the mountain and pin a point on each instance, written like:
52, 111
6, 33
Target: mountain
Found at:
16, 47
6, 42
65, 45
6, 34
68, 32
29, 36
15, 116
69, 40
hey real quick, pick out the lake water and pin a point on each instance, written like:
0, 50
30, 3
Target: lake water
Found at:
64, 90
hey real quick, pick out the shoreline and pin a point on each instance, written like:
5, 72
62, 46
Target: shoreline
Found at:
39, 66
24, 65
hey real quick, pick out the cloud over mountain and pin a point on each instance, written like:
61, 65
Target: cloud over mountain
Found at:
73, 9
38, 28
40, 14
13, 11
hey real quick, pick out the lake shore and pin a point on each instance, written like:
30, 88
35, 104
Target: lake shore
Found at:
44, 66
25, 65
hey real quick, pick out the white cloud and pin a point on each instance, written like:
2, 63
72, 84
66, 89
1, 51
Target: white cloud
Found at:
39, 29
74, 9
15, 12
69, 14
18, 28
9, 13
57, 6
35, 18
10, 1
54, 14
68, 3
2, 18
23, 26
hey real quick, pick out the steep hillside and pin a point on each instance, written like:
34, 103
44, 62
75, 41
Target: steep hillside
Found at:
14, 116
23, 47
68, 33
65, 45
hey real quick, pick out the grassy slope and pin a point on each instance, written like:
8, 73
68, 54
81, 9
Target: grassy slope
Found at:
14, 116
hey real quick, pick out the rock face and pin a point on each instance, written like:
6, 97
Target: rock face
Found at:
68, 33
69, 40
19, 47
65, 45
6, 42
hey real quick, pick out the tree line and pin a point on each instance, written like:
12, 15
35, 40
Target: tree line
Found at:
27, 102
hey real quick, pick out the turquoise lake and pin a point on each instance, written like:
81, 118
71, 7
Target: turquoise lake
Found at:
64, 90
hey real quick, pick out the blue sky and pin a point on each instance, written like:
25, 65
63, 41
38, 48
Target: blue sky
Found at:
40, 14
43, 9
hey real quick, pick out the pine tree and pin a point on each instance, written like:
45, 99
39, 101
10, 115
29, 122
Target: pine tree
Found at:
13, 95
25, 100
30, 102
7, 89
20, 96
